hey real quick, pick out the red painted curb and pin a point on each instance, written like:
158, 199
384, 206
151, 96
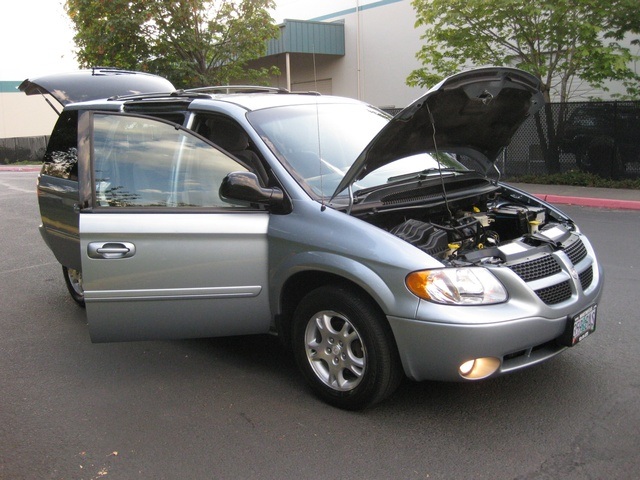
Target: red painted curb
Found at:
591, 202
558, 199
20, 168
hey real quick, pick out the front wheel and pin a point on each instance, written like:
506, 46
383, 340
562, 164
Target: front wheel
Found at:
344, 348
73, 280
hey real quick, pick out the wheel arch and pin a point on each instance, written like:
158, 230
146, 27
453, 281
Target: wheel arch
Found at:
301, 283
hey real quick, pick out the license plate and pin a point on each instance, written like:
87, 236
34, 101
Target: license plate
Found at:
580, 326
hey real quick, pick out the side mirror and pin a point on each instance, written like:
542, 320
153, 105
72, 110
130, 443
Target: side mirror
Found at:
245, 187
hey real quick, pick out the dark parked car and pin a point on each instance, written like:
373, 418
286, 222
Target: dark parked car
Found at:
604, 137
359, 239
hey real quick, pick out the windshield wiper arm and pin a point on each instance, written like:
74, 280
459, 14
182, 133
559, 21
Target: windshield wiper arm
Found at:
422, 174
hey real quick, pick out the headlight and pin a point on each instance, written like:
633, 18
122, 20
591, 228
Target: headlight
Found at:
457, 286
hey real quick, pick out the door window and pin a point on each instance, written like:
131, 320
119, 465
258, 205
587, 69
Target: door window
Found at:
145, 162
61, 157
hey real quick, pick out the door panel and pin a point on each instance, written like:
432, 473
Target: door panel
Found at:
191, 275
163, 256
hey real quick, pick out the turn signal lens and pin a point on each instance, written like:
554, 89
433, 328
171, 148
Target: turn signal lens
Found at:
457, 286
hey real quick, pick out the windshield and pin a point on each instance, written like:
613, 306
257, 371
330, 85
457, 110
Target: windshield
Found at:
319, 143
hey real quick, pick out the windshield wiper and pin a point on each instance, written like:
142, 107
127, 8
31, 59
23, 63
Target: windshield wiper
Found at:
423, 174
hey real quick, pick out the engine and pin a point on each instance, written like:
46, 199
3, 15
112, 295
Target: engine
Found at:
497, 232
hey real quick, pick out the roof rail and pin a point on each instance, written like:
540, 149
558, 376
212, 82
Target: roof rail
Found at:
205, 92
237, 89
176, 94
98, 69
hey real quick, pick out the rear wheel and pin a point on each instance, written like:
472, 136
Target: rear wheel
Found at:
605, 158
73, 279
345, 349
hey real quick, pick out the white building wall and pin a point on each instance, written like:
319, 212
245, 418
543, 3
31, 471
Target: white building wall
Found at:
385, 32
25, 116
380, 47
389, 43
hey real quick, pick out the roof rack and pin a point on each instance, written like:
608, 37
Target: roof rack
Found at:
206, 92
96, 70
176, 94
237, 89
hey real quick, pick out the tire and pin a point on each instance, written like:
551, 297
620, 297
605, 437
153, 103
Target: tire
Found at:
605, 158
73, 280
344, 348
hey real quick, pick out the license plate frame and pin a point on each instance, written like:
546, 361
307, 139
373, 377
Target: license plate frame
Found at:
580, 326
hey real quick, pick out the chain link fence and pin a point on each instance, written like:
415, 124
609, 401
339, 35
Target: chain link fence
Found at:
597, 137
21, 149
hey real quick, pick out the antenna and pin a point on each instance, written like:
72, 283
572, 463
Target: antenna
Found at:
323, 206
435, 147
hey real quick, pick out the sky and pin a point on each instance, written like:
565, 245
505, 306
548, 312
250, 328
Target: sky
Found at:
36, 36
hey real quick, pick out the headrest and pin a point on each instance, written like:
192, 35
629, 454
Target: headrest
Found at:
227, 135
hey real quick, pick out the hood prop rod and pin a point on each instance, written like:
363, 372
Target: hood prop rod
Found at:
435, 147
49, 102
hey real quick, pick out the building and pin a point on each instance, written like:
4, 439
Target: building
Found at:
355, 48
24, 124
363, 49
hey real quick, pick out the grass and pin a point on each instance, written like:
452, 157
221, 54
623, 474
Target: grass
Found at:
23, 162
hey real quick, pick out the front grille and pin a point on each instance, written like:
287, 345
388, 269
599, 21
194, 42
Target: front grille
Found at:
576, 251
586, 278
544, 268
535, 269
555, 293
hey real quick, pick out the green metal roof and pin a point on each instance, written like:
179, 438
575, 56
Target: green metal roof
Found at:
9, 87
298, 36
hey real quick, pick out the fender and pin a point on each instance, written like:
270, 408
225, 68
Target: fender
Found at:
393, 300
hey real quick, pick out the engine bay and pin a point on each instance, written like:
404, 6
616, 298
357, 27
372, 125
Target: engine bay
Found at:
499, 227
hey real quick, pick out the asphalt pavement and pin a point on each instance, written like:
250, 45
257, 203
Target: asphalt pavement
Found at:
237, 408
615, 198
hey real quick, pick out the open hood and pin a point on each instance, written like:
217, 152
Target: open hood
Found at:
85, 85
474, 112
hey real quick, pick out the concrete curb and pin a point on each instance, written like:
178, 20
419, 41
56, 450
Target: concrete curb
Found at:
590, 202
596, 202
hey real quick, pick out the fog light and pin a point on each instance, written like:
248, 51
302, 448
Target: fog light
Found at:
479, 368
466, 367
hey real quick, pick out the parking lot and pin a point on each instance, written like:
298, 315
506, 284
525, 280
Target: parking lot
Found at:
237, 407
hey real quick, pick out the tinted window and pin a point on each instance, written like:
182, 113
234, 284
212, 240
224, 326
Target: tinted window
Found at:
61, 156
142, 162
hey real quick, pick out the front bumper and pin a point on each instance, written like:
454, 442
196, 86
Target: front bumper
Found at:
435, 351
519, 333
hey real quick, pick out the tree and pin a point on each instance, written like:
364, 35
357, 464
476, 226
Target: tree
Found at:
190, 42
562, 42
567, 44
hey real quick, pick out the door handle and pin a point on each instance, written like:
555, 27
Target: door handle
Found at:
110, 250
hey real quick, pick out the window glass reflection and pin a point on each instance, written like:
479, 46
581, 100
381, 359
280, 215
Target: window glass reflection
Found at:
141, 162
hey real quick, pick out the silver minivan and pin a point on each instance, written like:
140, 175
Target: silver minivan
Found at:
375, 247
